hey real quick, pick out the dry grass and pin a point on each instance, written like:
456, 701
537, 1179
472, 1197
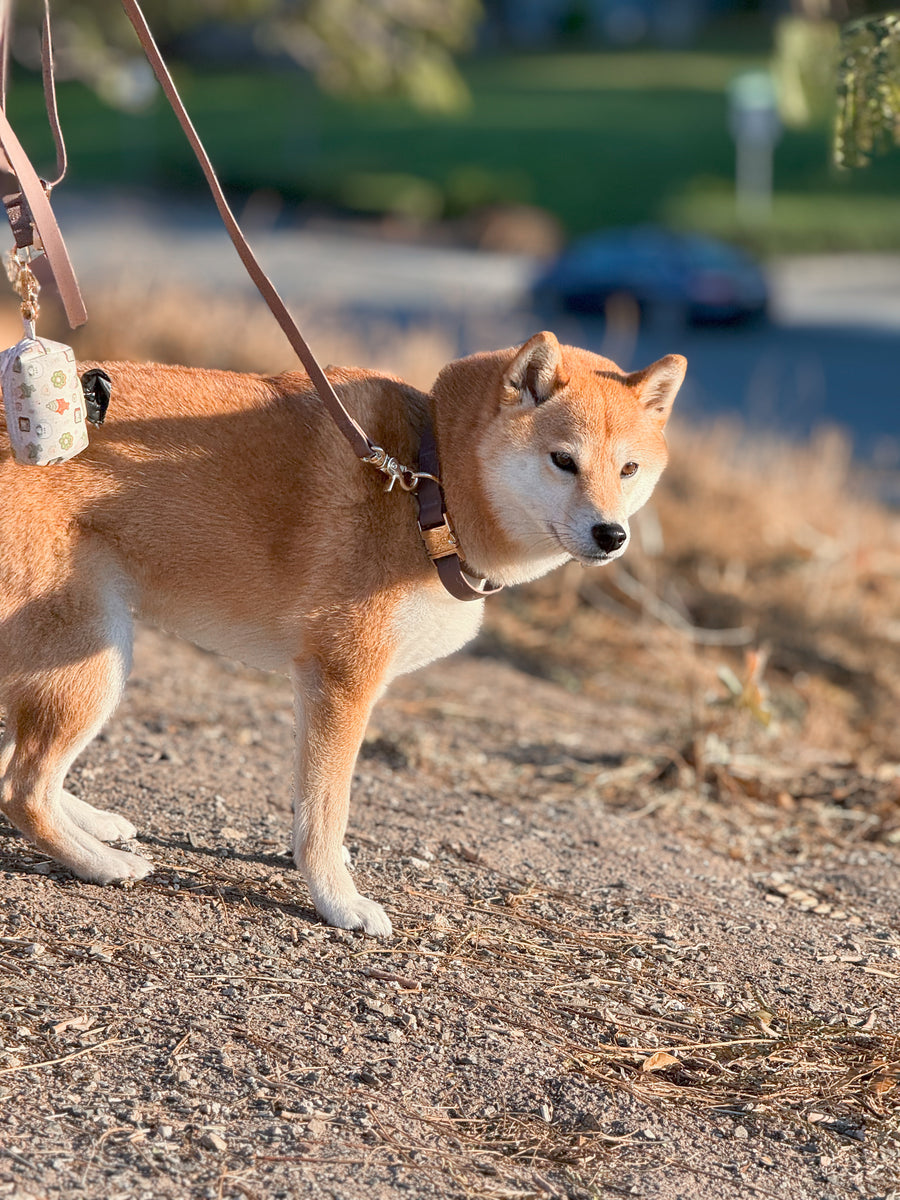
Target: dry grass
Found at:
241, 335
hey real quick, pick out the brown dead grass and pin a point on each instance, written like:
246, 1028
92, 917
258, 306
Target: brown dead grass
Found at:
241, 335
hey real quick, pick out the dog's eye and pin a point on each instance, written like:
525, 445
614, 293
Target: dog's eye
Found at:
565, 462
629, 469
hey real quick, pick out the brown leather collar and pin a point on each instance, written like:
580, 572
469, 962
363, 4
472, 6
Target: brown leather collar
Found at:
437, 532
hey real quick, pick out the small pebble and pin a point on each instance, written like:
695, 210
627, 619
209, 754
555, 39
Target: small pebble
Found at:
232, 834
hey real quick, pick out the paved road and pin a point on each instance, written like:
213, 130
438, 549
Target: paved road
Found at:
830, 352
792, 378
325, 267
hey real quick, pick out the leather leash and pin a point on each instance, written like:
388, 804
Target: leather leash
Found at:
434, 526
36, 233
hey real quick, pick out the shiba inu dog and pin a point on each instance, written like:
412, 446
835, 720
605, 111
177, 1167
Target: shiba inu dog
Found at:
228, 509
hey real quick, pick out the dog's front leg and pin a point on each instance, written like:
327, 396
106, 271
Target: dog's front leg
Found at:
332, 712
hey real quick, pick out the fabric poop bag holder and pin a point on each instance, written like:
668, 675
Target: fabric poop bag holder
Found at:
46, 414
45, 410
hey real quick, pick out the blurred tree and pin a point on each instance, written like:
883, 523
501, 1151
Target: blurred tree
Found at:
837, 10
868, 91
803, 67
358, 46
814, 57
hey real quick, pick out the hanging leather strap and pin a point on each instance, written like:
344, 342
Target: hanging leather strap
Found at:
48, 78
28, 208
49, 81
362, 446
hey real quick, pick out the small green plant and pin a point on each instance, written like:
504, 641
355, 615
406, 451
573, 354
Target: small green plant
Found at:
868, 91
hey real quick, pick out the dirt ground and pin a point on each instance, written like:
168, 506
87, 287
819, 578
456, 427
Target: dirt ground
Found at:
606, 979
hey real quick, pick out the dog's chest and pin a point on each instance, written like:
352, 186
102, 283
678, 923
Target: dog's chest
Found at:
430, 625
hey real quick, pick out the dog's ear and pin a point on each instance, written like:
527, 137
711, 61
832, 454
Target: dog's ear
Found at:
657, 385
535, 373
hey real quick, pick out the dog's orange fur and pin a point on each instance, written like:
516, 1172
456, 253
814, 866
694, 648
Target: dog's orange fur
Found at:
228, 509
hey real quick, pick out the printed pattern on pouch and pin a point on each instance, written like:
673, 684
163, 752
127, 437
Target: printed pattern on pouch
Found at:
46, 414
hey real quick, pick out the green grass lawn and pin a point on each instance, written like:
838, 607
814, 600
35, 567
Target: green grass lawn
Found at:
598, 139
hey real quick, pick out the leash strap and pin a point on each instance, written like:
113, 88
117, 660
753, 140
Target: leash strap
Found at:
29, 208
433, 525
49, 81
362, 446
439, 539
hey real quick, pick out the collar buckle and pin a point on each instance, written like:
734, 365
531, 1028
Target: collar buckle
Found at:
440, 541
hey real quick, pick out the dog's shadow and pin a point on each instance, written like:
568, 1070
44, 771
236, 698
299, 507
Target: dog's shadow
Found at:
187, 845
217, 885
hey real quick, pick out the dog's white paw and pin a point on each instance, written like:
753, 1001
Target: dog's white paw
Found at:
115, 866
103, 825
353, 911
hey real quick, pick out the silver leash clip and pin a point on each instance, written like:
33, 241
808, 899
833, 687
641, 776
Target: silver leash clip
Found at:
395, 471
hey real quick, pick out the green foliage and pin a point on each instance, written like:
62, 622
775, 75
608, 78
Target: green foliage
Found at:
366, 47
800, 222
868, 115
362, 47
804, 67
597, 139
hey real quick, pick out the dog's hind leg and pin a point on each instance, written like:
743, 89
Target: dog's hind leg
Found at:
332, 713
53, 710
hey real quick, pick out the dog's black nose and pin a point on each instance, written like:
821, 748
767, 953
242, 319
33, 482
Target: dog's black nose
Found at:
609, 537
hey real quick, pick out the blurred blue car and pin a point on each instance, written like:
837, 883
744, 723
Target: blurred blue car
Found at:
703, 279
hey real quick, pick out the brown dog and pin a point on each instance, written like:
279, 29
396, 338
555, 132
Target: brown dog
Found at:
228, 509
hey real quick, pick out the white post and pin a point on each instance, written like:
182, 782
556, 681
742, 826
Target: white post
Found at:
755, 127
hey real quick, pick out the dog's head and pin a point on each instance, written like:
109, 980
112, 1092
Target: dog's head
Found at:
571, 447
